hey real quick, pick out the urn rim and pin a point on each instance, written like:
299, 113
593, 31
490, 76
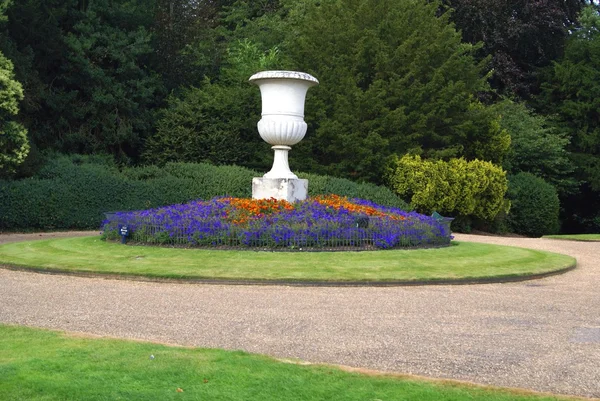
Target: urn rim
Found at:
301, 76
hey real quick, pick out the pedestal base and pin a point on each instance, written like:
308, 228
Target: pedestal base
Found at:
289, 189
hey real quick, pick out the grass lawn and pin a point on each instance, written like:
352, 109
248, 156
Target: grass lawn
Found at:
576, 237
462, 260
47, 365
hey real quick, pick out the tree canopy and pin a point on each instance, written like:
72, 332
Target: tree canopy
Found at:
572, 92
153, 81
520, 35
14, 144
87, 83
395, 79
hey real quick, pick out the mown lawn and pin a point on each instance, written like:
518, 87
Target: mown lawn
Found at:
576, 237
462, 260
40, 365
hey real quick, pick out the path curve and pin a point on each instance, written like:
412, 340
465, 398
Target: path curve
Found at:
540, 335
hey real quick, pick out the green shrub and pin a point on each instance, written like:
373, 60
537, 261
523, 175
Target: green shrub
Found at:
535, 206
213, 181
73, 192
145, 173
73, 200
455, 188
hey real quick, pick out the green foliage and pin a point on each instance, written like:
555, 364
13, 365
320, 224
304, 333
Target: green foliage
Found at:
87, 83
14, 145
186, 47
110, 104
395, 77
572, 92
538, 146
264, 21
207, 124
216, 122
4, 4
73, 192
535, 206
520, 35
456, 188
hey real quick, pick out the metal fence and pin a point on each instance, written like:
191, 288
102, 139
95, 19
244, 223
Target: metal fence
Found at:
362, 233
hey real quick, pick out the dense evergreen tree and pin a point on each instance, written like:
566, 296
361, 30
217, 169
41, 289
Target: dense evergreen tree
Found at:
216, 121
264, 21
87, 82
538, 146
520, 35
571, 91
395, 78
187, 45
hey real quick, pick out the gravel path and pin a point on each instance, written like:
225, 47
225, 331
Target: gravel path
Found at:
540, 335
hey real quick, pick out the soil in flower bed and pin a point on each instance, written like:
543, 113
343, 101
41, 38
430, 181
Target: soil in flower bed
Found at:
323, 223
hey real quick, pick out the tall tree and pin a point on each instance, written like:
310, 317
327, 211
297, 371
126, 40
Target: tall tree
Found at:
537, 146
216, 121
395, 78
187, 47
520, 35
14, 144
86, 76
571, 91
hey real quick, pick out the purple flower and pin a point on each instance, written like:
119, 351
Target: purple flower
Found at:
308, 224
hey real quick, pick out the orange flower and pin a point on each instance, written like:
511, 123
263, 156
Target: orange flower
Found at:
337, 202
243, 210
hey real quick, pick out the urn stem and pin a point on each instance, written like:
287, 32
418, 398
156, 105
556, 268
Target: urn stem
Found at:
281, 166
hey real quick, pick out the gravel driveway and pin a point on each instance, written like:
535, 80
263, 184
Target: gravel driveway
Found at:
540, 335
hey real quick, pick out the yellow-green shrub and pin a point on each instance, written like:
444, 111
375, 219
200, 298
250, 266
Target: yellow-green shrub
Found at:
455, 188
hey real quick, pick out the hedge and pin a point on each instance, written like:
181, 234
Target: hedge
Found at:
71, 193
535, 206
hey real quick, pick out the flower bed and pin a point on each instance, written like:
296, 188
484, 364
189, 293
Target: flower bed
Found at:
323, 222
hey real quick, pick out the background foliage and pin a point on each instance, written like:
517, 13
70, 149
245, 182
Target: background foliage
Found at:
73, 193
521, 36
396, 78
153, 82
454, 188
14, 145
535, 206
538, 146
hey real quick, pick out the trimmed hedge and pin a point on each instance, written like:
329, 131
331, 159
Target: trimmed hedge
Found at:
73, 193
535, 206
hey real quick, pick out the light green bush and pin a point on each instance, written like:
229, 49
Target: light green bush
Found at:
454, 188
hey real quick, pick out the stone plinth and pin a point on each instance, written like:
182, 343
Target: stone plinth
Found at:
289, 189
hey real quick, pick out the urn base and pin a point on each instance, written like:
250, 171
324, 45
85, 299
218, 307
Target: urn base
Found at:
289, 189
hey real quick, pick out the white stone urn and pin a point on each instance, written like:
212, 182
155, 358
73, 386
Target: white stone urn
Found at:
282, 124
